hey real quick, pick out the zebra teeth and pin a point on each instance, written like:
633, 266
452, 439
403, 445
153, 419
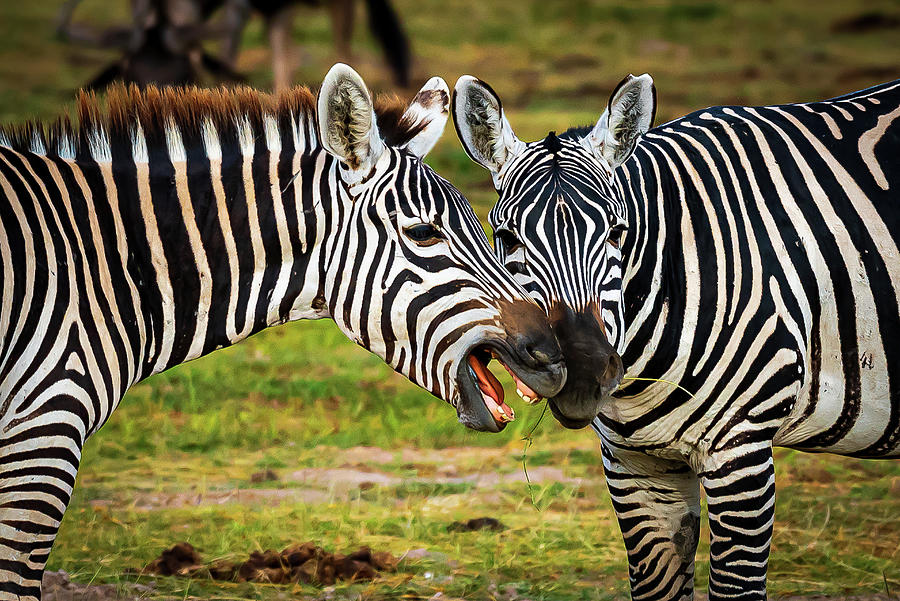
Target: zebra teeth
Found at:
502, 412
523, 390
528, 399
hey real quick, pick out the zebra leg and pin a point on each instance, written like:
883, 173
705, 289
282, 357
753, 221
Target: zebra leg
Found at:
38, 463
740, 494
657, 503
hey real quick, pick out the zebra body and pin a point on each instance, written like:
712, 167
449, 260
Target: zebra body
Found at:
185, 221
748, 255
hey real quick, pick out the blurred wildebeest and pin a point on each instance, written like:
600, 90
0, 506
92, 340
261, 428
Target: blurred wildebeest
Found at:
163, 44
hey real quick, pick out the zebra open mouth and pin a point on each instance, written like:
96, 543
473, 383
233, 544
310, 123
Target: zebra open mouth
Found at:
490, 388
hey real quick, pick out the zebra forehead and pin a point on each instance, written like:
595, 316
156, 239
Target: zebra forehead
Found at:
555, 174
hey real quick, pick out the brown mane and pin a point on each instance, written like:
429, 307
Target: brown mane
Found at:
393, 127
123, 107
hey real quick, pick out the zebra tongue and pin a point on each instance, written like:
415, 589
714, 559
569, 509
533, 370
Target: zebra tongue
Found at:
491, 391
523, 390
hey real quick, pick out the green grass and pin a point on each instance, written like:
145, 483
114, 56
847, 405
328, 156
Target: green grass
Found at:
303, 397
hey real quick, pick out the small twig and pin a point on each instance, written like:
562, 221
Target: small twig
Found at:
528, 442
669, 382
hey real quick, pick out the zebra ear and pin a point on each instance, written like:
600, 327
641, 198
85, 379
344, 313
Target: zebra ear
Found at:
628, 116
428, 114
482, 127
346, 120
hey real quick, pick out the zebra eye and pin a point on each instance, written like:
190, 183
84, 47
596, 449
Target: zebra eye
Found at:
506, 241
423, 234
615, 236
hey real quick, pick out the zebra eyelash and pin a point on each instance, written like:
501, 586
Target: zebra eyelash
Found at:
616, 233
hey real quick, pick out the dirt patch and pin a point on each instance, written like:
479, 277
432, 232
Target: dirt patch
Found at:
865, 22
250, 496
56, 586
327, 485
264, 476
341, 480
476, 524
305, 563
364, 455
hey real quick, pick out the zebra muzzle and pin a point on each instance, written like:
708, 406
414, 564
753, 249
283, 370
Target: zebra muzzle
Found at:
492, 390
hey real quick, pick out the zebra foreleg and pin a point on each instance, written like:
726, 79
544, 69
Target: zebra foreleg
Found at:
38, 464
657, 503
740, 493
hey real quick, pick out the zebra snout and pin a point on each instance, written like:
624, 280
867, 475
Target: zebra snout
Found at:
535, 353
594, 367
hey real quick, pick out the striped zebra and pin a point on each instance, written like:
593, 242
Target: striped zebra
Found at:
746, 254
174, 223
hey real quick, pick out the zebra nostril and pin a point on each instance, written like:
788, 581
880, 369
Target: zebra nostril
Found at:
542, 356
612, 375
538, 354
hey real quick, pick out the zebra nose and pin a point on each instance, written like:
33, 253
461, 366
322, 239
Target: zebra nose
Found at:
539, 351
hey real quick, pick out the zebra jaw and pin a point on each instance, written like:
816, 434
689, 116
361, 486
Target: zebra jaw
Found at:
492, 391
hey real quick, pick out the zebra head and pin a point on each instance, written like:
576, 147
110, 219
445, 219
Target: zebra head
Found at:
412, 277
560, 225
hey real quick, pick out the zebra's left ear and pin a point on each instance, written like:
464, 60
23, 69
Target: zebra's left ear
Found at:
426, 116
628, 116
346, 121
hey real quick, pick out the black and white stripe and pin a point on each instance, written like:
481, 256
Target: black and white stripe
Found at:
185, 221
748, 254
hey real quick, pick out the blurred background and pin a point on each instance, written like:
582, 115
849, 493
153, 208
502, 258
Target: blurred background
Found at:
298, 435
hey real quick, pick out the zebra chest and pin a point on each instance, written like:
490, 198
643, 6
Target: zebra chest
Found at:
669, 432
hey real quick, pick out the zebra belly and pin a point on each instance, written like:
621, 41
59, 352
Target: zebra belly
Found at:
848, 403
864, 424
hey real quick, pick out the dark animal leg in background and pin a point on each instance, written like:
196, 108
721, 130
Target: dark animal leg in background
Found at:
343, 20
220, 69
279, 27
386, 28
234, 20
112, 37
657, 503
64, 18
108, 75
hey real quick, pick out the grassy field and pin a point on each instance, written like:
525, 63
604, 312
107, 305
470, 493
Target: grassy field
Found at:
363, 457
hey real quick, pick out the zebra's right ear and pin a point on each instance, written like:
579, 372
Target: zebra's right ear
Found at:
346, 121
482, 127
628, 116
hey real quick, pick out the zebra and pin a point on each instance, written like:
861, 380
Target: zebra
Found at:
176, 222
744, 258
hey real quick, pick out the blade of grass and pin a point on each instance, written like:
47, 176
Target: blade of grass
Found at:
528, 442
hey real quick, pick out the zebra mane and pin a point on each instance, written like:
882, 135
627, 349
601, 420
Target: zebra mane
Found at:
101, 122
577, 132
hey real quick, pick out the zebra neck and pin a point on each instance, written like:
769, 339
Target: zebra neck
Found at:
655, 266
225, 241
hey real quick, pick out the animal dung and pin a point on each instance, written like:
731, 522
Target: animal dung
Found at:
474, 524
305, 563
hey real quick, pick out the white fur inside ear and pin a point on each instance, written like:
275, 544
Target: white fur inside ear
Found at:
481, 124
346, 119
431, 106
628, 116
